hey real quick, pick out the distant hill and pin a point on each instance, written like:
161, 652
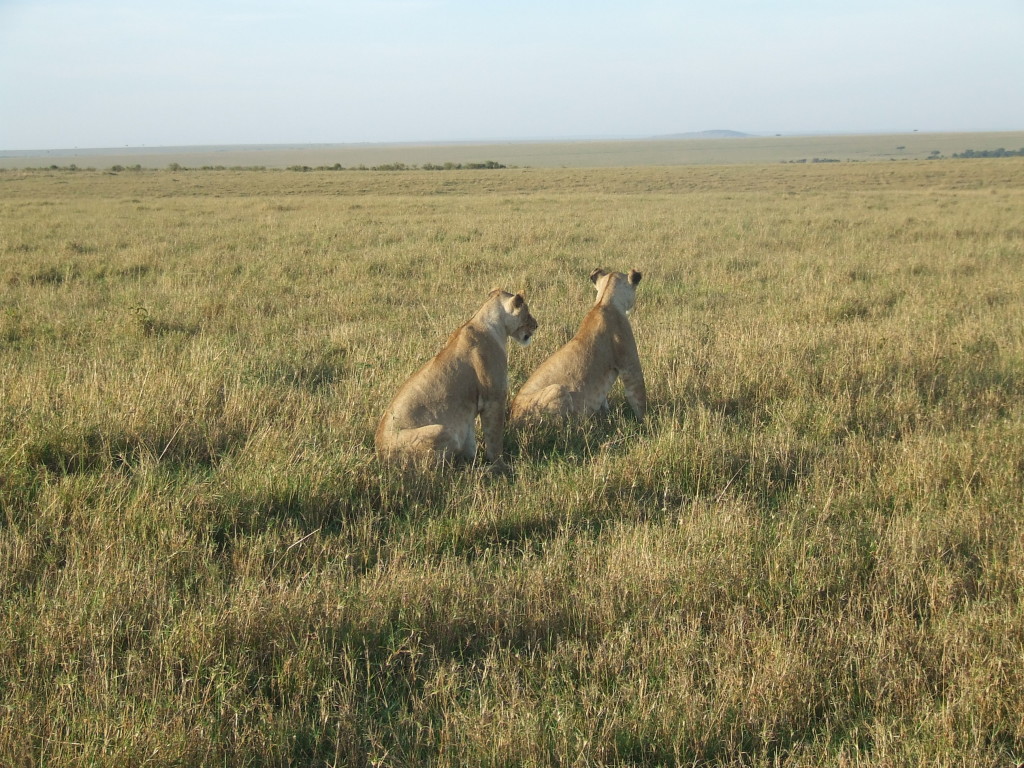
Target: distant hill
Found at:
708, 135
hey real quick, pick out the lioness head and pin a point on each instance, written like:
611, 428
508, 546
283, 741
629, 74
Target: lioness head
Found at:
526, 325
615, 288
519, 323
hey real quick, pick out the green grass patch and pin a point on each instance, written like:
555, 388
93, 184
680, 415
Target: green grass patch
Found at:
809, 553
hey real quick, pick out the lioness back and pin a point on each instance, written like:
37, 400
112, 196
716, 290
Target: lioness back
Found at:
432, 418
576, 379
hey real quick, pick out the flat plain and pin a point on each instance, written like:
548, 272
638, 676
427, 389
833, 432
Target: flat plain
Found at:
811, 552
594, 153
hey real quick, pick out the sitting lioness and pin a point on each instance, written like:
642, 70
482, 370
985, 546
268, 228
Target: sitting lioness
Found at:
576, 379
432, 418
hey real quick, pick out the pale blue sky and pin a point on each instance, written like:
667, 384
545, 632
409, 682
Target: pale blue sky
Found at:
114, 73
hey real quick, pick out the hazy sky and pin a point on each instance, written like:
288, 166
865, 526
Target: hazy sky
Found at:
111, 73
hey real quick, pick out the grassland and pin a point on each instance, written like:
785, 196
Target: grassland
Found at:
539, 154
812, 552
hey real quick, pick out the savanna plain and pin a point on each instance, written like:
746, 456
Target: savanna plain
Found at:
810, 552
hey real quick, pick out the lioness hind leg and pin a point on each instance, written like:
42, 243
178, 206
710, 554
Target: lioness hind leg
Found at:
434, 443
553, 400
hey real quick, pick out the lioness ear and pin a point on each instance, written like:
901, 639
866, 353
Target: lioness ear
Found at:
494, 292
596, 274
518, 301
634, 277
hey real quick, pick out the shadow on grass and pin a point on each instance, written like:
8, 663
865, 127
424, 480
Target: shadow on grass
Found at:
575, 440
364, 504
86, 449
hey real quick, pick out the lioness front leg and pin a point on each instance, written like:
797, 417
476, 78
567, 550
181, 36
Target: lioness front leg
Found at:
492, 423
636, 391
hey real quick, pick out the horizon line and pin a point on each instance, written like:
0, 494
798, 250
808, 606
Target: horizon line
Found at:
708, 135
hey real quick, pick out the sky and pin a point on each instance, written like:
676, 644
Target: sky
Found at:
116, 73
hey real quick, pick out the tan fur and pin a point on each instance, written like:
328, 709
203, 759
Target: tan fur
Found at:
432, 418
576, 379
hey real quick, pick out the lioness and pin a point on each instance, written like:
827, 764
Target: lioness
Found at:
432, 418
576, 379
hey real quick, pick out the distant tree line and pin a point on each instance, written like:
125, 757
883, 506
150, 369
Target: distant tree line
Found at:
814, 160
969, 153
487, 165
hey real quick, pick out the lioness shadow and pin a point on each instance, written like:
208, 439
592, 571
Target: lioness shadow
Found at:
577, 439
360, 509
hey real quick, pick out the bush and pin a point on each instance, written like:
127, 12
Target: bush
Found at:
972, 153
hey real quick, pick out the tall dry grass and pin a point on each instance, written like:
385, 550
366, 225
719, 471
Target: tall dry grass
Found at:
810, 553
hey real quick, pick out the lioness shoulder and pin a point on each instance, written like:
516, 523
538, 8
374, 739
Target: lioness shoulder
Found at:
576, 379
432, 418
